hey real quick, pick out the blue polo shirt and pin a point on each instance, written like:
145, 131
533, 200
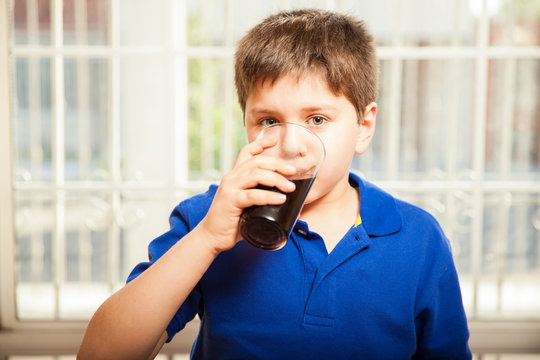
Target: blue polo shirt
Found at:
388, 290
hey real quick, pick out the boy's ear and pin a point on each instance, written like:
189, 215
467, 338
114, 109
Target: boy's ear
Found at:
367, 128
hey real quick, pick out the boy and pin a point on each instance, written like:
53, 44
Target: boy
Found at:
363, 275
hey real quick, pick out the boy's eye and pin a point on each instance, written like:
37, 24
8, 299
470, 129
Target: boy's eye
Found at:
268, 122
317, 120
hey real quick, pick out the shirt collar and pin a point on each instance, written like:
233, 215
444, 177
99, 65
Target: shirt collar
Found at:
378, 209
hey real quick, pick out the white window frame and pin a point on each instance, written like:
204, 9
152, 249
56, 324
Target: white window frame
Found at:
63, 337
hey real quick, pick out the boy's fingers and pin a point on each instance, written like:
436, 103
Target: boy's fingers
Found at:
271, 179
249, 176
255, 148
262, 197
263, 170
272, 163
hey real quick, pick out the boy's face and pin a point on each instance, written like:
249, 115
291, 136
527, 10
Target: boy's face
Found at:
308, 101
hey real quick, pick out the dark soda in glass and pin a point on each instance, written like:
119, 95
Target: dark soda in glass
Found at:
267, 227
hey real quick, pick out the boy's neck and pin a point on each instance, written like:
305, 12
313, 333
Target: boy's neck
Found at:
332, 218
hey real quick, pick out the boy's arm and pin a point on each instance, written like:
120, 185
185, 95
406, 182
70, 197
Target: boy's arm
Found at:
131, 323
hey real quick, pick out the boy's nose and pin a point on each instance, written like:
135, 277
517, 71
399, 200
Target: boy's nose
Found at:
293, 142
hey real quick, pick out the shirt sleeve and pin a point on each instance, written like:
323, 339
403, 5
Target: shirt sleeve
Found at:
440, 321
182, 220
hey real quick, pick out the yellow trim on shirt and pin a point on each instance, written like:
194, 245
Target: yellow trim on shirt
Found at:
358, 221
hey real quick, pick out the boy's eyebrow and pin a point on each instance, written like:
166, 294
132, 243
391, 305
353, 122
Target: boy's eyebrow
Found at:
259, 110
323, 107
306, 109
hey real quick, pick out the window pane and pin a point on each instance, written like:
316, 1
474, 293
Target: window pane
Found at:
87, 228
206, 23
32, 113
436, 119
144, 22
34, 247
35, 234
145, 119
87, 114
512, 233
515, 22
75, 249
510, 281
429, 116
86, 22
438, 23
32, 22
207, 118
513, 129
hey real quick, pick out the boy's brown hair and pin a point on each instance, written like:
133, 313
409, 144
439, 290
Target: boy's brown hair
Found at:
337, 47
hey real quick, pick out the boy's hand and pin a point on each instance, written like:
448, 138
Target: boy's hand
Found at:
237, 191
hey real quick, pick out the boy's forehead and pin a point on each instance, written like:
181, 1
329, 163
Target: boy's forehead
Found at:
295, 79
293, 94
